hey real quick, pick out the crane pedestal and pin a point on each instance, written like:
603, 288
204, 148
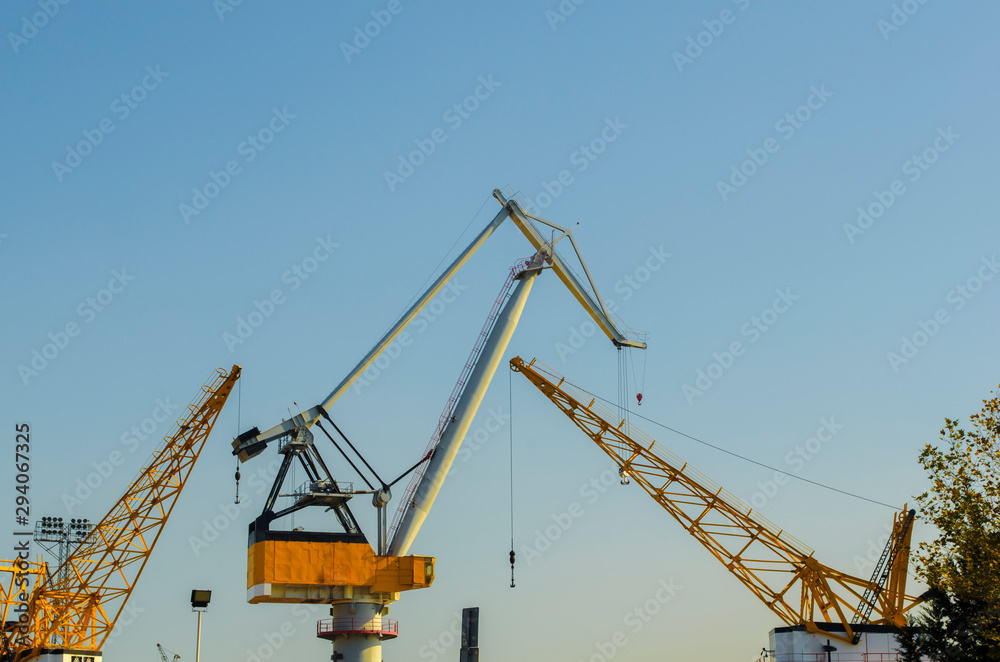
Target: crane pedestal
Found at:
67, 655
357, 629
796, 643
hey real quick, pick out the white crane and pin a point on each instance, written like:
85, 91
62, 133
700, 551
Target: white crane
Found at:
355, 644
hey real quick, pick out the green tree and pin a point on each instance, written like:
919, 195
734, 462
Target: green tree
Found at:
961, 621
947, 629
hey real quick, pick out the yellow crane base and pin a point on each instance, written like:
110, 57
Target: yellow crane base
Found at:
294, 567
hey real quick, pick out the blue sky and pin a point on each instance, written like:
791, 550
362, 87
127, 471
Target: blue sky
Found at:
832, 101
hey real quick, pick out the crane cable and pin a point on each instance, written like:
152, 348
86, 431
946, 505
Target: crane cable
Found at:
442, 261
623, 410
239, 414
639, 390
510, 409
744, 458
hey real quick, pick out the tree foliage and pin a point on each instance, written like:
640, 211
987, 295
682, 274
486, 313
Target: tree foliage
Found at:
947, 629
961, 565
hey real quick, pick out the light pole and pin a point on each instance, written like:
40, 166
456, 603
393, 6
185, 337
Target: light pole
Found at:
199, 603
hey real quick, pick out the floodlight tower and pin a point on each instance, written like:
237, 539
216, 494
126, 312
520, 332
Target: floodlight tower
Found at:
57, 537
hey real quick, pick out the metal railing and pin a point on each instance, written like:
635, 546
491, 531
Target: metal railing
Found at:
386, 627
832, 657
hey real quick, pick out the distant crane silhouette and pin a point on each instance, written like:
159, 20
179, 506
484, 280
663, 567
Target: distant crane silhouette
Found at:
163, 654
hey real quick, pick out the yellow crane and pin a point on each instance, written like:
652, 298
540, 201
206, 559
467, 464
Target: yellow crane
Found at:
780, 570
75, 608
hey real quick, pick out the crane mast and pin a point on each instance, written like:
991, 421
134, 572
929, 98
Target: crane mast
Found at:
359, 592
76, 607
779, 569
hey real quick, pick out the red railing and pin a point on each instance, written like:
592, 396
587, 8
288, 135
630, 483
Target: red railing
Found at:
387, 628
833, 657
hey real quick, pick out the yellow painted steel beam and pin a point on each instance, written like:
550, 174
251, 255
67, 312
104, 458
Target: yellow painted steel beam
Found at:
765, 559
78, 608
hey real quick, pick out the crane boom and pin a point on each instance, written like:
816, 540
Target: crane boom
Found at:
408, 316
250, 445
767, 560
77, 606
594, 305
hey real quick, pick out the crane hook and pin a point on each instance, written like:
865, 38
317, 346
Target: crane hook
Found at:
237, 482
638, 397
512, 568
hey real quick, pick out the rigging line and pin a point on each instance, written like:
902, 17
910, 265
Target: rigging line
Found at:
635, 382
645, 356
443, 258
747, 459
239, 415
344, 437
510, 410
622, 390
319, 424
625, 359
510, 425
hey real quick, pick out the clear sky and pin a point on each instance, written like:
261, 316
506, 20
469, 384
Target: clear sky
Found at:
815, 181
